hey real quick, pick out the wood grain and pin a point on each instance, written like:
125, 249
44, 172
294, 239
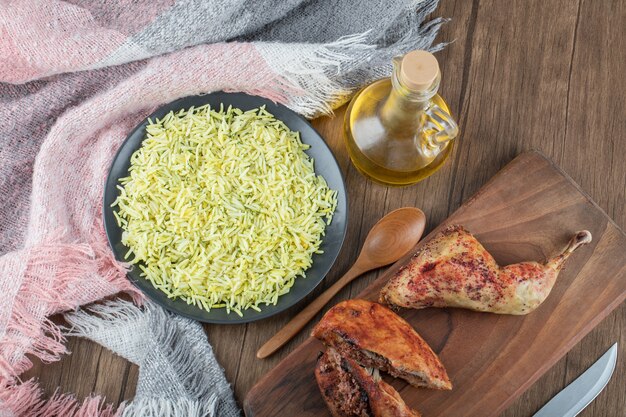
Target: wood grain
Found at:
536, 74
528, 211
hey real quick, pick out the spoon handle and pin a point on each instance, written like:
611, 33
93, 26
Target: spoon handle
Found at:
303, 317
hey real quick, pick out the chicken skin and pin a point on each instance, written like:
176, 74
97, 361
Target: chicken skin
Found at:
454, 270
376, 337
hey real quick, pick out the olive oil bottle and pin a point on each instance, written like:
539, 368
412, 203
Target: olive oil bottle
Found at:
398, 130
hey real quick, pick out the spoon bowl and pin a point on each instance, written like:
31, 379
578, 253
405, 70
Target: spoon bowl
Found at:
392, 237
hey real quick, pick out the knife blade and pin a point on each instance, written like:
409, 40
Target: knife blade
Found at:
583, 390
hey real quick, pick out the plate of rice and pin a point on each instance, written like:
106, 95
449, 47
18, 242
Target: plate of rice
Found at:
228, 208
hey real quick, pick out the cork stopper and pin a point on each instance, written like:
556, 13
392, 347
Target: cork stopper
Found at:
418, 70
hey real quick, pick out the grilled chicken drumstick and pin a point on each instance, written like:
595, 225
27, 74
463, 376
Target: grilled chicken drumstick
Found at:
455, 270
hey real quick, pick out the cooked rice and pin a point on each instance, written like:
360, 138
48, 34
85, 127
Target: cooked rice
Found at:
223, 208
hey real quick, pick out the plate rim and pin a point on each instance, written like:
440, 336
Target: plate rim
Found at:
236, 318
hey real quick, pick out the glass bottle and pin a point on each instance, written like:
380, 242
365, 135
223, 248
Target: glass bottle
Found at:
398, 130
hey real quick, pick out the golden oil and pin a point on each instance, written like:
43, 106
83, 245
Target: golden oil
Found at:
398, 130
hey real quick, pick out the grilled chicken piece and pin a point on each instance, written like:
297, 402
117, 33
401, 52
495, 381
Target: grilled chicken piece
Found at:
454, 270
376, 337
350, 391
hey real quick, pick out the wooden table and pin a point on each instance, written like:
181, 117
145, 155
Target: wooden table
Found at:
542, 74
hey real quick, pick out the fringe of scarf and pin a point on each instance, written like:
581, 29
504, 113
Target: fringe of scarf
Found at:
26, 399
180, 343
52, 272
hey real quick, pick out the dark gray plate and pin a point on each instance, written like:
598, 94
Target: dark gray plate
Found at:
325, 165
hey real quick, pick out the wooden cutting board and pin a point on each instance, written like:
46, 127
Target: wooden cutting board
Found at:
528, 211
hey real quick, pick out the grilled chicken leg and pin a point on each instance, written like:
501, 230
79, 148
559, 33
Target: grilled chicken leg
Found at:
455, 270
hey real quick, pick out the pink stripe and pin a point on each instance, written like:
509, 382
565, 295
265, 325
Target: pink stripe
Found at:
58, 277
44, 37
26, 399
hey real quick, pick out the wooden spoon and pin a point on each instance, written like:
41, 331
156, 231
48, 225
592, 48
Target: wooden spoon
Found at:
390, 239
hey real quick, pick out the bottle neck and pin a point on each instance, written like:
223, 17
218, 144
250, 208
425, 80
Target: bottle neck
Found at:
403, 108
